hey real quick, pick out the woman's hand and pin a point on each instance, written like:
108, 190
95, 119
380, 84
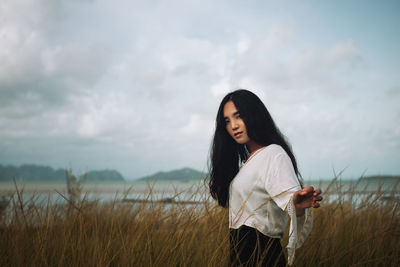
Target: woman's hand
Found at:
306, 198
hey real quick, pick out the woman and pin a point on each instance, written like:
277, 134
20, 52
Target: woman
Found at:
255, 174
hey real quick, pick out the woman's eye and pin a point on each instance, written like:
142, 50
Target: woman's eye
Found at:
227, 121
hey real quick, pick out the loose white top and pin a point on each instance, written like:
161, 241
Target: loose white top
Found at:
261, 197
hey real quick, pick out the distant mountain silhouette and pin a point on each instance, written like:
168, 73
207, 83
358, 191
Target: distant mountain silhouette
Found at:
181, 175
37, 173
104, 176
381, 178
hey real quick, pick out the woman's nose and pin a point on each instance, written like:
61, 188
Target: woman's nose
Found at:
234, 124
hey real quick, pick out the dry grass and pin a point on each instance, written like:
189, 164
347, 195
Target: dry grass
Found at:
346, 232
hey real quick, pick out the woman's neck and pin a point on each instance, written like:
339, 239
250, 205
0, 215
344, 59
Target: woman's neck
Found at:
253, 147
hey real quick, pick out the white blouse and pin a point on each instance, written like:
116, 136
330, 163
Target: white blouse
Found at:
261, 197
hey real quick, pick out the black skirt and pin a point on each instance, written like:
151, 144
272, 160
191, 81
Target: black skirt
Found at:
249, 247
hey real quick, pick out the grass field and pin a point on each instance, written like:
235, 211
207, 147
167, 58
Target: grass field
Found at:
348, 230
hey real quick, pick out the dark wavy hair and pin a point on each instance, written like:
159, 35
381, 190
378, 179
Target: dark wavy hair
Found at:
226, 153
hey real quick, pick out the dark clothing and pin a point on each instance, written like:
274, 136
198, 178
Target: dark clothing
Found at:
249, 247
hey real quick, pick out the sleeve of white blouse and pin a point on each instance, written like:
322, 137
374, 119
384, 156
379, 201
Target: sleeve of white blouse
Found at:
299, 229
281, 185
282, 180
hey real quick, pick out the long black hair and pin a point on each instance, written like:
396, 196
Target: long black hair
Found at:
226, 153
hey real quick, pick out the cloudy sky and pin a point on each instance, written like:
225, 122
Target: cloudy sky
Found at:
135, 85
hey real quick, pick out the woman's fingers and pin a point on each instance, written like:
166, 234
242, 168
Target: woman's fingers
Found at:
307, 190
316, 200
308, 197
317, 192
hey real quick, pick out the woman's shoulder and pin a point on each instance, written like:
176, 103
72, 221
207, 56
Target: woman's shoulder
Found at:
274, 150
271, 153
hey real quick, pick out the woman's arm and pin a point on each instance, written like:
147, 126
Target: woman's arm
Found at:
306, 198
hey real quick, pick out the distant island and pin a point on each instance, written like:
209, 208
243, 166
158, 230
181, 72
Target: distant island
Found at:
180, 175
38, 173
189, 174
381, 178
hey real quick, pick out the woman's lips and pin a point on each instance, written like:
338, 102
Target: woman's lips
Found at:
238, 134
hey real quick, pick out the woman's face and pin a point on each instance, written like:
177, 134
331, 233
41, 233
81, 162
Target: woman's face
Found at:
235, 124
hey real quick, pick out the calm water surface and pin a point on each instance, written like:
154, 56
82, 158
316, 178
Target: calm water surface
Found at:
196, 192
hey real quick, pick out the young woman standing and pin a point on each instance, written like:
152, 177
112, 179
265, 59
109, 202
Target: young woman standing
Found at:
254, 173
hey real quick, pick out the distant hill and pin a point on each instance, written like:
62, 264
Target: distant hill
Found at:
181, 175
381, 178
37, 173
104, 176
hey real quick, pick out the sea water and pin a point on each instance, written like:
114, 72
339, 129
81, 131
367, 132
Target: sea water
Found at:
170, 192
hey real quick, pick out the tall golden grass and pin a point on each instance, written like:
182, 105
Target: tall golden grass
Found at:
350, 230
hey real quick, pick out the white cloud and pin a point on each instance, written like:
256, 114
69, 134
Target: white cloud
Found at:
24, 29
221, 88
38, 70
344, 51
198, 126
